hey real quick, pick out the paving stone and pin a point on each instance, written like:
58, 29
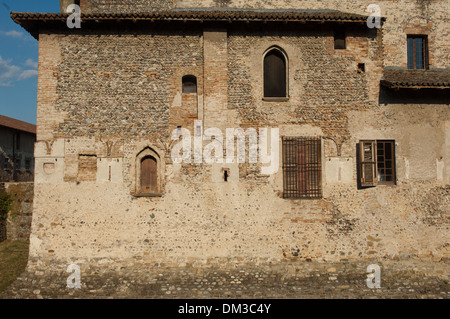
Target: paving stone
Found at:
398, 280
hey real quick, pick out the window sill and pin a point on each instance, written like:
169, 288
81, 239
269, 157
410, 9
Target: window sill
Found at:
386, 184
275, 99
147, 195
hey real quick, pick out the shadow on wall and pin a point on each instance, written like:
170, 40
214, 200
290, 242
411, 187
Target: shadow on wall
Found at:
5, 204
414, 96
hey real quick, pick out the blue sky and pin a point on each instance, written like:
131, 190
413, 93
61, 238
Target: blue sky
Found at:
18, 60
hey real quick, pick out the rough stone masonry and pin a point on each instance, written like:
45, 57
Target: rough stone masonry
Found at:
111, 93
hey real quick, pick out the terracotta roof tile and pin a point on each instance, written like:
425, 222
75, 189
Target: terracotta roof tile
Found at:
216, 14
32, 21
401, 78
17, 125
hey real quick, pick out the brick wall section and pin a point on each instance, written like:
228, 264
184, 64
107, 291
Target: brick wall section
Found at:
215, 52
87, 168
48, 117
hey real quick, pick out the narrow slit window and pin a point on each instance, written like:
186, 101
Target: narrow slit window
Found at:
226, 175
189, 84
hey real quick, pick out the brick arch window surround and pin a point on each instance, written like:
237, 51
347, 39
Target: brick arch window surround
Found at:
275, 73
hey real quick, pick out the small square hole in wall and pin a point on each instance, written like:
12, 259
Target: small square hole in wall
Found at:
226, 174
361, 67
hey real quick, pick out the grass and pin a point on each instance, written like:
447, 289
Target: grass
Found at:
13, 260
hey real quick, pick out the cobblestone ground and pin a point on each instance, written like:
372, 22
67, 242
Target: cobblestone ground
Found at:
406, 280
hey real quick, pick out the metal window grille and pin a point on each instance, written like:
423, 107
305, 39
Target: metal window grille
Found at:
302, 167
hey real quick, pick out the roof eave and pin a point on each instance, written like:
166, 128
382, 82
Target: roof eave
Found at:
32, 21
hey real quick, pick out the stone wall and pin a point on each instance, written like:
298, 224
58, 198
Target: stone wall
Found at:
117, 96
428, 17
403, 17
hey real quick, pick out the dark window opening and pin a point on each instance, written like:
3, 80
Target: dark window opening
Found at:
339, 38
275, 74
27, 164
417, 47
302, 169
189, 84
361, 67
149, 175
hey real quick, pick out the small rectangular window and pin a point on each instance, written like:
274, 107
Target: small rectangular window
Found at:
417, 52
302, 169
339, 38
377, 162
189, 84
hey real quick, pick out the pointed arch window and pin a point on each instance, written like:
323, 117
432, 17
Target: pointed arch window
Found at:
275, 74
149, 173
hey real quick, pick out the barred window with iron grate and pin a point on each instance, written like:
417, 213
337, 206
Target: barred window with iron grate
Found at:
302, 167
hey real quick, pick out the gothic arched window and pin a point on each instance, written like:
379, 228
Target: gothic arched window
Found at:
275, 74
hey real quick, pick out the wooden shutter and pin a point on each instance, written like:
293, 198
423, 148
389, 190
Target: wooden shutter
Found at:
149, 177
368, 164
